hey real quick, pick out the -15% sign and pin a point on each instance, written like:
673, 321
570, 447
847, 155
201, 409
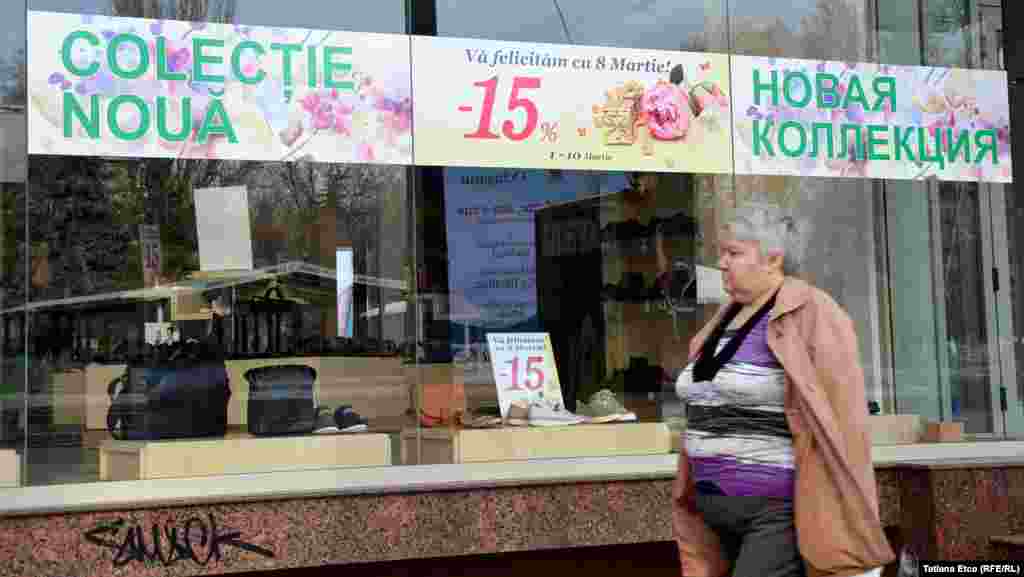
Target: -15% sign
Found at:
525, 373
520, 104
524, 368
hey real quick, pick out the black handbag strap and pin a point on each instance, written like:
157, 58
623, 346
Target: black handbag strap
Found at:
711, 360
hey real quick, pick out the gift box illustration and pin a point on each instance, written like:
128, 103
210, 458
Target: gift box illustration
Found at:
633, 112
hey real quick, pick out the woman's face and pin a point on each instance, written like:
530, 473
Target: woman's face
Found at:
746, 273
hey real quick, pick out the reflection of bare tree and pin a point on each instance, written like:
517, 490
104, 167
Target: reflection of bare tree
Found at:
186, 10
835, 30
13, 78
356, 198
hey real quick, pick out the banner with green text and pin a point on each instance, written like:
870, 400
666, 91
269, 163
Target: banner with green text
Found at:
111, 86
128, 87
841, 119
528, 105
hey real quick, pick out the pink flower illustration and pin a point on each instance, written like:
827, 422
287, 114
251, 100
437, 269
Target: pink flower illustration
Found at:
395, 117
365, 152
329, 111
291, 134
705, 95
666, 109
343, 120
320, 111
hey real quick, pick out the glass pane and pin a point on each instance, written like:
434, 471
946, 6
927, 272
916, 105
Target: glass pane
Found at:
817, 29
657, 24
12, 57
287, 284
967, 307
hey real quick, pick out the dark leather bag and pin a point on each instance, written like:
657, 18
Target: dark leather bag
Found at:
281, 400
180, 392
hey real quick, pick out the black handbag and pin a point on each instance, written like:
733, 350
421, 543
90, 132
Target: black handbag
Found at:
281, 400
179, 391
269, 325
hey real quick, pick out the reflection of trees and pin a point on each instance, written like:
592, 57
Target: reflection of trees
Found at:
186, 10
13, 79
835, 30
296, 196
85, 212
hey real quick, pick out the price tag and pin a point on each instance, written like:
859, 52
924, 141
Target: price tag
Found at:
524, 368
491, 103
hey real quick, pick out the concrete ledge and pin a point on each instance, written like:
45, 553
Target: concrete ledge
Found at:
426, 478
122, 495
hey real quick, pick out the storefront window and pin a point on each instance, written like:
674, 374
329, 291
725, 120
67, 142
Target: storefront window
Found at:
327, 272
266, 297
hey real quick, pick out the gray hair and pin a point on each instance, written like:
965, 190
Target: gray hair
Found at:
775, 229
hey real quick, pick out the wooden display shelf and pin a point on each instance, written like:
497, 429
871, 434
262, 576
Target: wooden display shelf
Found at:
10, 468
133, 460
443, 445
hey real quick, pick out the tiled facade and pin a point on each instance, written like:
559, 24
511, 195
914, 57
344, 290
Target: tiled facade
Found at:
943, 513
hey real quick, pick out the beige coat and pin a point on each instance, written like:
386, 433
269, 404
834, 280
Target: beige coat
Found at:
836, 502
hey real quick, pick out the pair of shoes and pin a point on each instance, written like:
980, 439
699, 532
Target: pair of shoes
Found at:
605, 407
478, 421
342, 420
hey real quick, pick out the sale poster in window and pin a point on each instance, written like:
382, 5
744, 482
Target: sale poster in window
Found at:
490, 223
511, 104
524, 369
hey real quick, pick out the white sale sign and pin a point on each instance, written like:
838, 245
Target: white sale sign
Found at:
524, 368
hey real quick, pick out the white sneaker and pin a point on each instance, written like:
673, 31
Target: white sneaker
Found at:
544, 415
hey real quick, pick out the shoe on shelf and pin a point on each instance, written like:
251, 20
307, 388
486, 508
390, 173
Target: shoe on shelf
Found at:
543, 414
349, 421
342, 420
325, 424
605, 407
518, 414
478, 421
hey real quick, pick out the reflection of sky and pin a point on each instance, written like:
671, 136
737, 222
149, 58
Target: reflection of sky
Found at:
664, 24
659, 24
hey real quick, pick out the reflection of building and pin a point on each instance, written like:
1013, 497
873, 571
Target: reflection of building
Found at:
307, 292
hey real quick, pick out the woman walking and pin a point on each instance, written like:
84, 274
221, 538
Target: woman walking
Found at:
775, 477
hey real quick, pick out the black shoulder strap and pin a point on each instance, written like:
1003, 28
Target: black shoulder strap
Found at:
709, 363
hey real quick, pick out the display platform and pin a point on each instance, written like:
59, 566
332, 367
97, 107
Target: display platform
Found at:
443, 445
134, 460
374, 386
10, 468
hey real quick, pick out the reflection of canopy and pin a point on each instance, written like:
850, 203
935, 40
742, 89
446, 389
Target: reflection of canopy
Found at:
222, 280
